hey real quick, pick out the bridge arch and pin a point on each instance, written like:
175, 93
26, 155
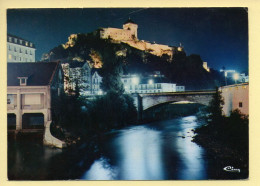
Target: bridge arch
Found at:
153, 100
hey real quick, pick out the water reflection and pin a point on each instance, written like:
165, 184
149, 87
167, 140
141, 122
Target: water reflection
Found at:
155, 151
101, 170
140, 154
191, 165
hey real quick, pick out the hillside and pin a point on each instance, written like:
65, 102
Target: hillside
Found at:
179, 68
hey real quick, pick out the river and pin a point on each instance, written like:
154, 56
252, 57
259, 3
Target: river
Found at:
160, 150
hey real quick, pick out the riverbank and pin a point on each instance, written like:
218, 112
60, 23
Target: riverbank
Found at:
227, 148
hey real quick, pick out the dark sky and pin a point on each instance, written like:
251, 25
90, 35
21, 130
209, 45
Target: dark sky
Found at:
218, 35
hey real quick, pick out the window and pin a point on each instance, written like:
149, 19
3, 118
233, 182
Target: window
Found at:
10, 39
20, 50
31, 44
9, 48
21, 41
15, 40
15, 49
26, 43
25, 51
23, 80
9, 56
240, 104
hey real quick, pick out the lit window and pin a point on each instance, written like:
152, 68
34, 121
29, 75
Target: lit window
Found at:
26, 43
240, 104
31, 44
9, 56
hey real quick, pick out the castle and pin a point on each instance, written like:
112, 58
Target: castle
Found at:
128, 35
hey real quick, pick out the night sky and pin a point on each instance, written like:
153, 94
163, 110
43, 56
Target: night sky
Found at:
218, 35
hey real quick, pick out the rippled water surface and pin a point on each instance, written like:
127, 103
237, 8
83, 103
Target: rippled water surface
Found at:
155, 151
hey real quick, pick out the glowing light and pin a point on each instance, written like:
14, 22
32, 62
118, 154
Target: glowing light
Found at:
236, 76
135, 80
150, 81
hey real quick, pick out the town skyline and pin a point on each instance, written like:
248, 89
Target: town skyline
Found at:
218, 35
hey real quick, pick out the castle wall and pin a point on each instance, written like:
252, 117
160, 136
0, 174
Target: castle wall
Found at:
116, 34
155, 49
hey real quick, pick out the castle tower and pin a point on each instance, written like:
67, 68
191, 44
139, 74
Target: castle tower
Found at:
131, 26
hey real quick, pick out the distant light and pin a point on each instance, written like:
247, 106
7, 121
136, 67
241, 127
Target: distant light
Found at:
135, 80
225, 73
236, 76
150, 81
100, 92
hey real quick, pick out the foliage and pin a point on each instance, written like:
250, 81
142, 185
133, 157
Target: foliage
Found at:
67, 112
112, 110
215, 108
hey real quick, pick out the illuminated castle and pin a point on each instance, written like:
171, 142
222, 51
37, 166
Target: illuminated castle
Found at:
129, 35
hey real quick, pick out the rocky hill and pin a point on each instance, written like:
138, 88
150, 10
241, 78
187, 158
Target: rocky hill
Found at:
179, 68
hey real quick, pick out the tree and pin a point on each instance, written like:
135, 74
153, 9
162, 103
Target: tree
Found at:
215, 108
111, 71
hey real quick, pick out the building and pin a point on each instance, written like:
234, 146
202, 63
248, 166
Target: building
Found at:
32, 89
19, 50
243, 78
128, 34
77, 73
180, 88
96, 80
149, 83
235, 97
153, 83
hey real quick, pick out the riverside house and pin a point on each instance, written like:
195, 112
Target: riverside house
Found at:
31, 90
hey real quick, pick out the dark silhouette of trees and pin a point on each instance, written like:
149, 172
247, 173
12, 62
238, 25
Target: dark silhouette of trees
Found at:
215, 108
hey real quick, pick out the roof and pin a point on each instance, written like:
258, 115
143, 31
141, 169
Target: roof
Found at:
18, 42
93, 70
129, 21
38, 73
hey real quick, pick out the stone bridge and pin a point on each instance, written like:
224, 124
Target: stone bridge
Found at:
147, 100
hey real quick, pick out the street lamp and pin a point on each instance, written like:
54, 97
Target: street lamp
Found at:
236, 77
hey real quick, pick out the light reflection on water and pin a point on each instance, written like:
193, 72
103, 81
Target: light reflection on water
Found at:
100, 170
156, 151
143, 153
191, 164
